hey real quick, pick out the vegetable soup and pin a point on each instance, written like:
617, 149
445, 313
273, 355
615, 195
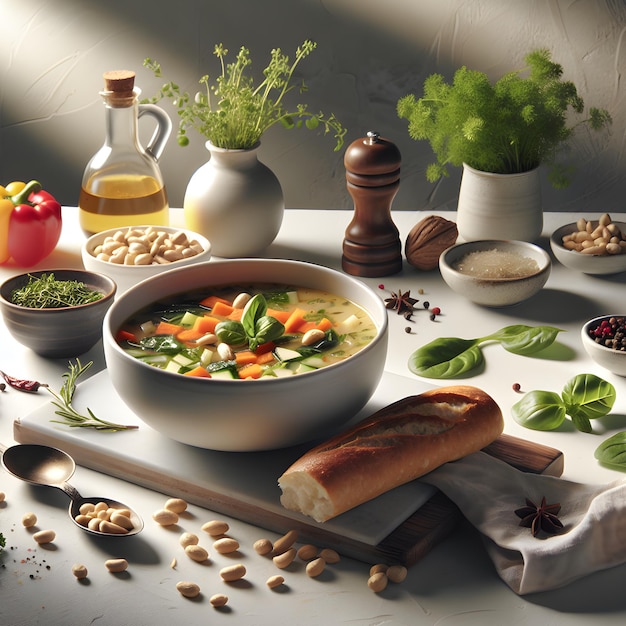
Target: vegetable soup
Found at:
247, 332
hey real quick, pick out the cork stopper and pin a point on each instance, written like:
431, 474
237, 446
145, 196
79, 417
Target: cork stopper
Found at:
119, 87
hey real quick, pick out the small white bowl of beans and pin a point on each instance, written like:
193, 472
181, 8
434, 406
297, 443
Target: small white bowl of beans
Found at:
591, 246
131, 254
604, 340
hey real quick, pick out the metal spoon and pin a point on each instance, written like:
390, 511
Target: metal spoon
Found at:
51, 467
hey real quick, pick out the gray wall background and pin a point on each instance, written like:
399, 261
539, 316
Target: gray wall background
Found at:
370, 53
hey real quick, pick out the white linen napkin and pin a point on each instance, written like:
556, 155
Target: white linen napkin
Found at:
488, 491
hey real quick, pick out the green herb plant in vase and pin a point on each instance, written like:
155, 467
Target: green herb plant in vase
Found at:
500, 133
235, 200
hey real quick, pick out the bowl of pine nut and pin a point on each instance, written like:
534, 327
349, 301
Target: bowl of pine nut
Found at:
591, 246
131, 254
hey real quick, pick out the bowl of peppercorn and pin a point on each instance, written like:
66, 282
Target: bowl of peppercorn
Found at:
57, 313
604, 340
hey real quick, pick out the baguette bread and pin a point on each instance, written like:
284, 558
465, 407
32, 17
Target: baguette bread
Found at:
395, 445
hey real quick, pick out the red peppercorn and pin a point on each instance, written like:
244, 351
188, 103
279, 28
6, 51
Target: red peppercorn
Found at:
516, 387
436, 310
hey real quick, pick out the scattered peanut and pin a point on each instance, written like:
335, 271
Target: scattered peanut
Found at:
3, 496
188, 589
29, 520
307, 552
315, 567
397, 573
285, 559
379, 567
177, 505
44, 536
149, 246
219, 599
188, 539
231, 573
215, 528
79, 570
275, 581
116, 565
285, 542
330, 556
196, 553
164, 517
377, 582
263, 546
604, 239
226, 545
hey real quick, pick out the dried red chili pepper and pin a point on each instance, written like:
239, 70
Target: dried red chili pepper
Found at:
29, 386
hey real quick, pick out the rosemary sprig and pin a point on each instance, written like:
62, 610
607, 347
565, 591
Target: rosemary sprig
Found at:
71, 417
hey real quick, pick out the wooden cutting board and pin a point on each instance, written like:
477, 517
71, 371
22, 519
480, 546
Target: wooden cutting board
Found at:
400, 526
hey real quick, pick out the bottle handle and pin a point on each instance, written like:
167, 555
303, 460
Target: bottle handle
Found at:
162, 131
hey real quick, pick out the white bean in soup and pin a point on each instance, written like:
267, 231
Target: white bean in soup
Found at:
247, 332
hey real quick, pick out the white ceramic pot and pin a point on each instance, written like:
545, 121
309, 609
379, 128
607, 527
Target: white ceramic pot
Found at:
499, 206
235, 201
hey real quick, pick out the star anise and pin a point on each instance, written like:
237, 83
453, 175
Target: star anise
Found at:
542, 517
401, 301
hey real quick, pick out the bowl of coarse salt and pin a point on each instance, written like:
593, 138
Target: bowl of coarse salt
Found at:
495, 273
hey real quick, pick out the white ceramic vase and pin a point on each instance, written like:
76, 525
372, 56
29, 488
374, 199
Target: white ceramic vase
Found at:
499, 206
235, 201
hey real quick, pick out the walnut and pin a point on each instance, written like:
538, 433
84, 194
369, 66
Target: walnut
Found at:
427, 240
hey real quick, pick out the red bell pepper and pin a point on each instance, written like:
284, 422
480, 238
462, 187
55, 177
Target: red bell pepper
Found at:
34, 225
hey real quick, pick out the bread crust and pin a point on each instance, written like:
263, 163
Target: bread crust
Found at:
395, 445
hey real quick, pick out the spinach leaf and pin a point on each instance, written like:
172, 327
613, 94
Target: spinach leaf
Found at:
612, 451
446, 357
525, 340
539, 410
165, 344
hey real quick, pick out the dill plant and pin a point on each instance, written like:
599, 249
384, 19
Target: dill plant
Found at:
512, 126
233, 112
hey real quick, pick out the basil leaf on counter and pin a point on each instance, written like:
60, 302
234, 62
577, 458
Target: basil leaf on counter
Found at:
589, 396
448, 357
539, 410
584, 397
612, 451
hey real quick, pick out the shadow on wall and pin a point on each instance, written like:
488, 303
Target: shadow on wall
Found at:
369, 54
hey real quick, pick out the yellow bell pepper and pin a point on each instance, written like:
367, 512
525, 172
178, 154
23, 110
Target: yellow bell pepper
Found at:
6, 208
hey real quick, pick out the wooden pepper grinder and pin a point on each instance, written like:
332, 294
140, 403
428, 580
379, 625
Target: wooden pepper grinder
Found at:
371, 246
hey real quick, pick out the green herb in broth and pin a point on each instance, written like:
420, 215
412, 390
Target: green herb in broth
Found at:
251, 342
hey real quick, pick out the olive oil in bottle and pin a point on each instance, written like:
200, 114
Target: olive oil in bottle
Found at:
122, 184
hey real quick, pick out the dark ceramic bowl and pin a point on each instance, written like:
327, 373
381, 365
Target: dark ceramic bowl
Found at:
60, 332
